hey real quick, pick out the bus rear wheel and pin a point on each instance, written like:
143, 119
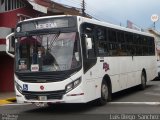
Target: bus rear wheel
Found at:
104, 94
143, 81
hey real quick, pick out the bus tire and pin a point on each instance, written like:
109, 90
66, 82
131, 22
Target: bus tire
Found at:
105, 93
143, 81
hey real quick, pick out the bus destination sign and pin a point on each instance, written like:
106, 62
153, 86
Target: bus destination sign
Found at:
47, 24
56, 23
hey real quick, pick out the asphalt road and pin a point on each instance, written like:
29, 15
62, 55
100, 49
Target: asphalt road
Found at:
131, 101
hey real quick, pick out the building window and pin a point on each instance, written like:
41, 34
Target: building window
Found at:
7, 5
2, 6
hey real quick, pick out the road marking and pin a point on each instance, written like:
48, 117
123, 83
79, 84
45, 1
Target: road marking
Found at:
111, 103
157, 89
136, 103
16, 104
151, 93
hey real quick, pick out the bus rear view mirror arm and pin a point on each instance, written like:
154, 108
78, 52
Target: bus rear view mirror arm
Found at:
8, 44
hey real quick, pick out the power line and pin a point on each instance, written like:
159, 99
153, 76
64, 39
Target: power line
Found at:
91, 11
85, 8
75, 2
80, 3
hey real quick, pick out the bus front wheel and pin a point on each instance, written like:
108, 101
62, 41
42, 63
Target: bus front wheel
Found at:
104, 94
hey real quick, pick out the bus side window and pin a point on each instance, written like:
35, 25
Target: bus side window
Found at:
101, 38
121, 51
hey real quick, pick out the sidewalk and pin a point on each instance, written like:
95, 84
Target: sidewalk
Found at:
7, 97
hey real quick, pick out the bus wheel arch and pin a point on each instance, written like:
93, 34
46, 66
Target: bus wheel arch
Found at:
143, 79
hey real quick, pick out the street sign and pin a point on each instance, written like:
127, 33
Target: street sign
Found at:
154, 18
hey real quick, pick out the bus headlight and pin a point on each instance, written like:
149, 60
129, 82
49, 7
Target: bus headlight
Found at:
73, 85
19, 88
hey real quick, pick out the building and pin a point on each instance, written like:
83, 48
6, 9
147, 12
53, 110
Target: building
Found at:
12, 11
157, 43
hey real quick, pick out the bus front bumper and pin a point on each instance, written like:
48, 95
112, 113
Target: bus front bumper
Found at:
72, 97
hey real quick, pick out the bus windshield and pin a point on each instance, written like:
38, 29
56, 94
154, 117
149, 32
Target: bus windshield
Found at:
48, 52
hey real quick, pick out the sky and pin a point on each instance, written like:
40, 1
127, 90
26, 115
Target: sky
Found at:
119, 11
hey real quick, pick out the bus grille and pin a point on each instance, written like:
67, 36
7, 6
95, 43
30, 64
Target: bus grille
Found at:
50, 95
42, 77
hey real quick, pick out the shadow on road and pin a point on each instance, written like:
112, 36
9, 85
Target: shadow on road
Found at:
82, 108
129, 92
64, 108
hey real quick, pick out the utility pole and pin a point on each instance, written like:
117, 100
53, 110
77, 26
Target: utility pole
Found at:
154, 25
83, 8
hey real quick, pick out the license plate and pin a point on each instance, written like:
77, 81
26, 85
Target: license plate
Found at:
42, 98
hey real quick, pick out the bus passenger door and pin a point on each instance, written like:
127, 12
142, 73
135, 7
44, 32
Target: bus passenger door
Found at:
89, 59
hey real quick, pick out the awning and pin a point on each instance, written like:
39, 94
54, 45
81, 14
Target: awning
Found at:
38, 7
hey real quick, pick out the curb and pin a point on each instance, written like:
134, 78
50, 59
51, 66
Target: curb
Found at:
7, 101
3, 102
11, 99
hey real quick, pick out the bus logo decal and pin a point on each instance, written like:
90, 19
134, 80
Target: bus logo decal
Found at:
106, 66
42, 87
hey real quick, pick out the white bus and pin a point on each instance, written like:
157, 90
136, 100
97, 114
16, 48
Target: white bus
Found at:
72, 59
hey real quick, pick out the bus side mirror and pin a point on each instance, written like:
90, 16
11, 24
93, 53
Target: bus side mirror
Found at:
88, 43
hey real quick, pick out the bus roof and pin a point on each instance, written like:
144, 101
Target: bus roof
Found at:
39, 18
93, 21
